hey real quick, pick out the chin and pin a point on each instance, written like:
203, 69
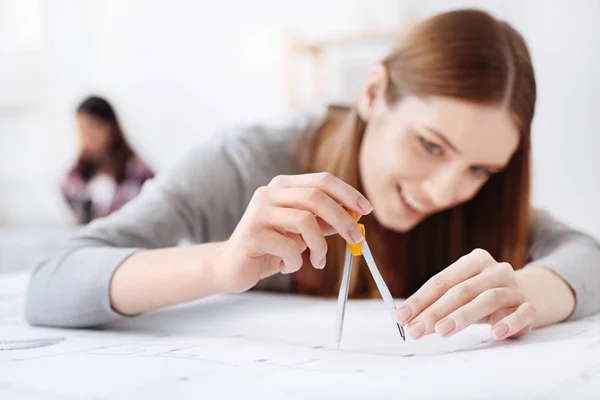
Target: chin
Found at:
394, 221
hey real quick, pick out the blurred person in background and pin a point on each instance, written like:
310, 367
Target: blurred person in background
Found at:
107, 173
435, 157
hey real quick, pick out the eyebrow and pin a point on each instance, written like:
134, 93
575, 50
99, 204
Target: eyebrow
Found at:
443, 139
439, 135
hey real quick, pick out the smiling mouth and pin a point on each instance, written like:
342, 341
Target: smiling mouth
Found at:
411, 204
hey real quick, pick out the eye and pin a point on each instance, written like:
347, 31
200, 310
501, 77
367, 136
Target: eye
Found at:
480, 172
431, 147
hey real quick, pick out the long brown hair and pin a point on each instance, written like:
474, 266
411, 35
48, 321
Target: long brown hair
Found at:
468, 55
118, 153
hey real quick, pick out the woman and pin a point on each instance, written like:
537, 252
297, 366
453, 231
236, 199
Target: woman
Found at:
435, 158
107, 174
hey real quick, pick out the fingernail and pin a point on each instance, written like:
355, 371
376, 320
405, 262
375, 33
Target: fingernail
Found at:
416, 330
365, 205
445, 327
500, 331
355, 233
322, 262
403, 314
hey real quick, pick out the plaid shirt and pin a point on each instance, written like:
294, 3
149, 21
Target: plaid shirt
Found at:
102, 195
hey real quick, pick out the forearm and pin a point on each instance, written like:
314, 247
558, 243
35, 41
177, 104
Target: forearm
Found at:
153, 279
550, 294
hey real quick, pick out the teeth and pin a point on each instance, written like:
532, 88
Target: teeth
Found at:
413, 203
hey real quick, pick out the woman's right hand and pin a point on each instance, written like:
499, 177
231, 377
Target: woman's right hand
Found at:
290, 215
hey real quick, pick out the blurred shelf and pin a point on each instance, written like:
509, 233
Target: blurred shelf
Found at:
315, 78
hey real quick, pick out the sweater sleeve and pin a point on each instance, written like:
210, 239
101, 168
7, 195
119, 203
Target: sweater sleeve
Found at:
201, 199
572, 255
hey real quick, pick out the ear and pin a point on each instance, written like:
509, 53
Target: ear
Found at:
372, 91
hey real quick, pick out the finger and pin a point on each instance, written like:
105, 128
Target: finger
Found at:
483, 305
336, 188
300, 243
459, 295
464, 268
519, 322
493, 318
320, 204
274, 243
303, 223
325, 227
523, 331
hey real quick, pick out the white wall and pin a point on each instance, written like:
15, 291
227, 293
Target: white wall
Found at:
177, 71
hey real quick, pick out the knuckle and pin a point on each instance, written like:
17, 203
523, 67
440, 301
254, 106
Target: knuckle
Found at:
494, 297
295, 266
325, 178
504, 268
503, 313
479, 260
277, 181
481, 255
464, 292
306, 219
291, 248
261, 193
530, 310
432, 316
438, 283
479, 252
314, 196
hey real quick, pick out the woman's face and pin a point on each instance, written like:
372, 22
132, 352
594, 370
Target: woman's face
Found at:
422, 156
95, 135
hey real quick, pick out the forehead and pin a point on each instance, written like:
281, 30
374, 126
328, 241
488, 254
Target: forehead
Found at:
482, 133
88, 119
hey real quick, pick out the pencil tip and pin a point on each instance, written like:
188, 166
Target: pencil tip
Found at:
401, 332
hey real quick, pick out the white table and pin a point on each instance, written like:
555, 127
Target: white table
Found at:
266, 346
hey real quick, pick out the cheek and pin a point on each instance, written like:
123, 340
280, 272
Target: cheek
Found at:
377, 155
468, 190
409, 163
389, 158
100, 136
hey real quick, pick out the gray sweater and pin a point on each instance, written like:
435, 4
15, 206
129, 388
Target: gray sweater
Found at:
202, 198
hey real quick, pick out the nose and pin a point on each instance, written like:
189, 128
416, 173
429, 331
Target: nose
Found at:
442, 186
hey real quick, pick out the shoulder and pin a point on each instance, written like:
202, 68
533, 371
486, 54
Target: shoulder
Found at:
273, 140
239, 158
257, 149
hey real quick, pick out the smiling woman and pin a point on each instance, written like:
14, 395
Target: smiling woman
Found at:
435, 159
434, 171
439, 143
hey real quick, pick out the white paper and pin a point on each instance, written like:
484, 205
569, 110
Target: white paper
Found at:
259, 345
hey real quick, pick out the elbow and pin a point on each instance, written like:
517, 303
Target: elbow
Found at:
33, 314
40, 298
49, 300
71, 289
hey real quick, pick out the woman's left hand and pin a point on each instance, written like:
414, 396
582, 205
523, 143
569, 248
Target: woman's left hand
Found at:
475, 289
